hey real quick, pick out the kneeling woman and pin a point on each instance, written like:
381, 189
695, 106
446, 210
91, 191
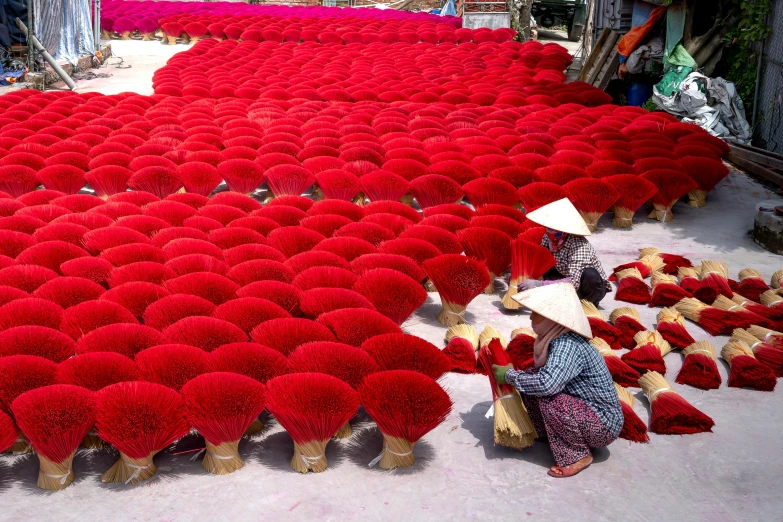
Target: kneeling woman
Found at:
569, 393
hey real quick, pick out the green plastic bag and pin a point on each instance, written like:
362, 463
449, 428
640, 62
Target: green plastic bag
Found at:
670, 83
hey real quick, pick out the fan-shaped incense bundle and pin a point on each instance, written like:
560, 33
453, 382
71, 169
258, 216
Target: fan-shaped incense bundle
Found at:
406, 406
221, 406
458, 280
688, 279
599, 326
490, 332
670, 413
513, 427
631, 287
634, 428
714, 320
745, 369
464, 331
645, 265
627, 320
528, 261
634, 192
752, 284
621, 373
461, 354
767, 354
520, 348
591, 197
672, 262
665, 290
648, 354
699, 368
749, 317
491, 246
713, 281
671, 326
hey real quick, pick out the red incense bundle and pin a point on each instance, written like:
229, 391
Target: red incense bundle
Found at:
490, 246
771, 305
528, 261
520, 348
631, 287
8, 432
139, 419
699, 368
671, 326
221, 406
591, 197
600, 327
752, 284
458, 280
311, 407
646, 265
648, 353
670, 413
749, 317
665, 290
400, 351
688, 279
672, 262
767, 354
634, 428
627, 320
406, 406
714, 320
713, 281
671, 185
513, 427
55, 419
461, 355
392, 293
772, 337
634, 192
745, 369
776, 281
622, 374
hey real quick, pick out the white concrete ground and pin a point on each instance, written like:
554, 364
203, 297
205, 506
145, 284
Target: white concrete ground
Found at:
731, 474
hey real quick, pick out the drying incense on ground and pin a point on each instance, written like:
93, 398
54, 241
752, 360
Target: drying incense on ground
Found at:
569, 392
576, 261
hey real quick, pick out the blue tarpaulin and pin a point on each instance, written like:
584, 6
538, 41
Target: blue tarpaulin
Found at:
64, 27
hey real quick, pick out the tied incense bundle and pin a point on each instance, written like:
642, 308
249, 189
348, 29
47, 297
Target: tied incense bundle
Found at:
714, 320
464, 331
648, 353
665, 290
713, 281
488, 334
520, 348
646, 265
671, 326
632, 287
627, 320
672, 262
772, 300
749, 317
768, 336
670, 413
688, 278
622, 374
752, 284
699, 369
769, 313
634, 428
513, 427
766, 354
776, 281
458, 338
600, 327
528, 261
745, 369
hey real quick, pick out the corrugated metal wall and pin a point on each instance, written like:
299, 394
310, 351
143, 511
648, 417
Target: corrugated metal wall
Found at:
769, 105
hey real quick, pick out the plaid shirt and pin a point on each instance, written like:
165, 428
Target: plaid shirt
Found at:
576, 368
574, 256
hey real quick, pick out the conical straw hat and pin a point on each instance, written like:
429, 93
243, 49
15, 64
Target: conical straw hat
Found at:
559, 303
560, 215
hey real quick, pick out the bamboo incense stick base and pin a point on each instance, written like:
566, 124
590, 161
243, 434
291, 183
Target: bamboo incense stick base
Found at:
490, 289
623, 217
359, 199
697, 198
130, 471
508, 301
194, 39
105, 35
452, 314
310, 456
429, 286
396, 453
223, 458
344, 432
255, 427
171, 40
661, 213
146, 37
591, 220
407, 200
54, 476
513, 427
92, 441
21, 446
125, 35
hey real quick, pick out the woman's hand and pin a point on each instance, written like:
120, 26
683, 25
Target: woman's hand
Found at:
529, 284
500, 372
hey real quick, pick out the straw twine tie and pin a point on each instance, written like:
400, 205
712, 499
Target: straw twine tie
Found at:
310, 461
62, 479
136, 471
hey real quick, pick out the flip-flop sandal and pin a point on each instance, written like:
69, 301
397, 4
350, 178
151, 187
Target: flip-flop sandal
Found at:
568, 471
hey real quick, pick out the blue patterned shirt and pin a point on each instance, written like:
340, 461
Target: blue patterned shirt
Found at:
576, 368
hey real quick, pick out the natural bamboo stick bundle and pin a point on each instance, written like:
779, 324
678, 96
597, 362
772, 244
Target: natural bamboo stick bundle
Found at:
599, 326
750, 318
752, 284
699, 369
464, 331
670, 413
513, 427
767, 354
688, 279
745, 369
713, 281
772, 313
528, 261
490, 332
632, 287
714, 320
671, 326
772, 337
665, 290
645, 265
648, 353
672, 262
622, 374
627, 320
776, 281
634, 428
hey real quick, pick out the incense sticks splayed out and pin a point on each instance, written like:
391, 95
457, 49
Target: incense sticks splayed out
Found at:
699, 368
458, 280
745, 369
627, 320
631, 287
670, 413
528, 261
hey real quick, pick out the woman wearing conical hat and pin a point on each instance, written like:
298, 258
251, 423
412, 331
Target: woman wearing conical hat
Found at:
575, 258
569, 393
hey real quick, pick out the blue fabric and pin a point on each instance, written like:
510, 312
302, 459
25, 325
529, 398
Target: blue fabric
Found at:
449, 9
576, 368
64, 28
